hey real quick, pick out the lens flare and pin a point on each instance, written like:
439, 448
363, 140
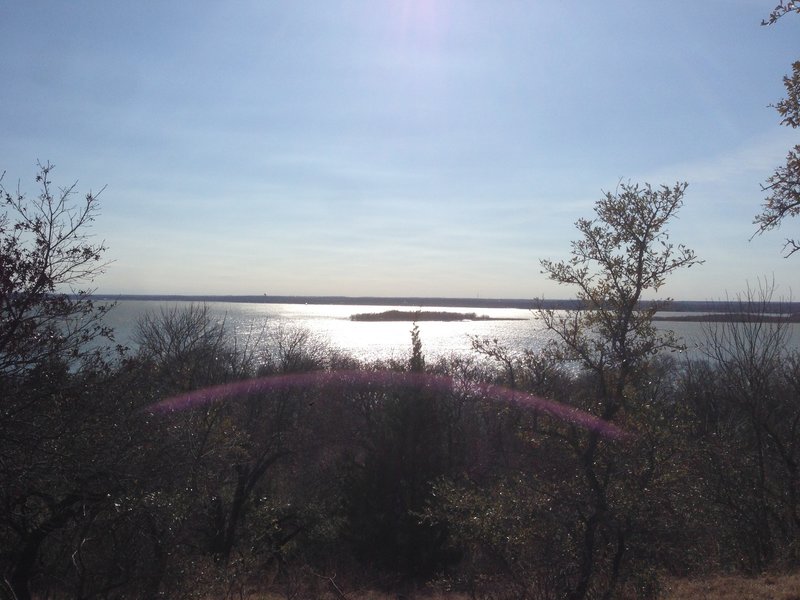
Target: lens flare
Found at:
384, 381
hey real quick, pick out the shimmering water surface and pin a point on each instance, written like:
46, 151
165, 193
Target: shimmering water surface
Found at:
374, 340
332, 324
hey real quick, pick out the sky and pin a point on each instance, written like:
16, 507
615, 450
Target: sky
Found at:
397, 148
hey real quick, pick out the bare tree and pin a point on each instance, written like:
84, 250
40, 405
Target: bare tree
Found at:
289, 348
189, 348
47, 258
749, 397
59, 464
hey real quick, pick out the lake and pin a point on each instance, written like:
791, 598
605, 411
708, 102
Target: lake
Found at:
369, 340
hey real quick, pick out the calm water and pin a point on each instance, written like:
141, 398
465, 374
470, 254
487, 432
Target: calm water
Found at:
374, 340
332, 324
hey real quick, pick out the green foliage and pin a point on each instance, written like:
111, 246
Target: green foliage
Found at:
514, 542
417, 363
408, 443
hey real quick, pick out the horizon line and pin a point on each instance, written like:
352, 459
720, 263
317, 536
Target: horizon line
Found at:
421, 301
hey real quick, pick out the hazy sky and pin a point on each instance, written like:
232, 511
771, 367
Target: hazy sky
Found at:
406, 147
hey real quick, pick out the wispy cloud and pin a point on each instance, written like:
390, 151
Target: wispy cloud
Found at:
752, 161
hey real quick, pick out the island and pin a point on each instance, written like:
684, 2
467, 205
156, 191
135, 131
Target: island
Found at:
426, 315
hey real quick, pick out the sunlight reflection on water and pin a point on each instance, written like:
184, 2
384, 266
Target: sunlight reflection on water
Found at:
364, 340
378, 340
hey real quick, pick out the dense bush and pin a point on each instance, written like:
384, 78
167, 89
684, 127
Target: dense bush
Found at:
390, 484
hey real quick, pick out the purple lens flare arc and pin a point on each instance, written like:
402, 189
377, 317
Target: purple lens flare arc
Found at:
374, 380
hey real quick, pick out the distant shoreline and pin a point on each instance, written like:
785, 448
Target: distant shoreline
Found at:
413, 302
692, 306
731, 317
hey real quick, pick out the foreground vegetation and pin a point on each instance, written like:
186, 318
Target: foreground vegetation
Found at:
199, 467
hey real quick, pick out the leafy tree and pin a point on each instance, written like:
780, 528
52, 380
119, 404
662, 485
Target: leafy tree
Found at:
783, 185
417, 362
560, 511
409, 439
623, 253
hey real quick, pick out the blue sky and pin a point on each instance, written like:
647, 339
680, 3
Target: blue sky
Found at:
407, 147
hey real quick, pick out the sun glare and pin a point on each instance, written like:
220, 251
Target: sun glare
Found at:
421, 17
